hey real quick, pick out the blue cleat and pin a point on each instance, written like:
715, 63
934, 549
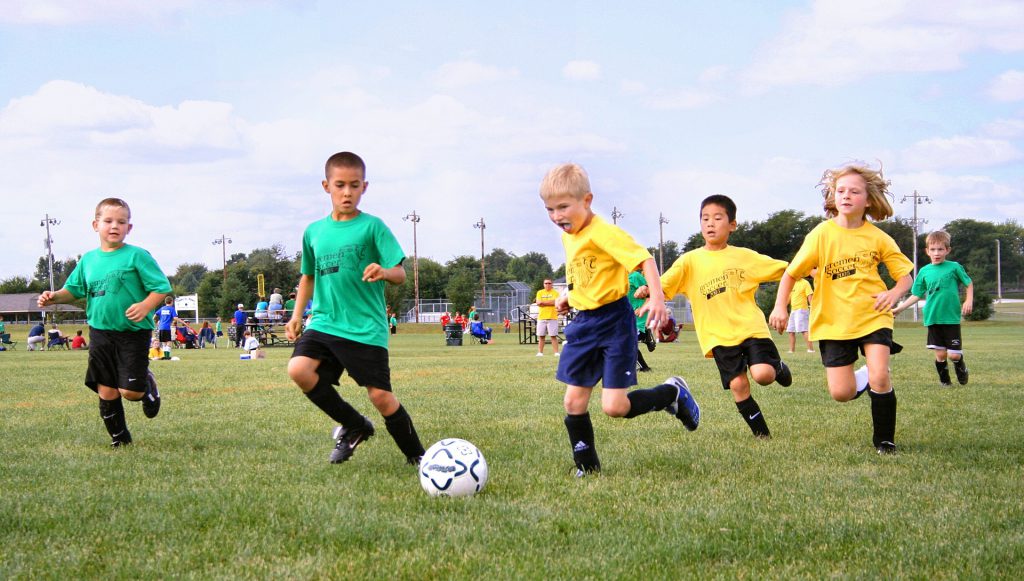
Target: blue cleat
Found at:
685, 408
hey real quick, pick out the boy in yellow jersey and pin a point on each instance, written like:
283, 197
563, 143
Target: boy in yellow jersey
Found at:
601, 341
852, 307
800, 312
720, 282
547, 317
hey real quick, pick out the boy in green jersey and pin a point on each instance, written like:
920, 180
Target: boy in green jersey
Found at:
347, 257
939, 284
122, 285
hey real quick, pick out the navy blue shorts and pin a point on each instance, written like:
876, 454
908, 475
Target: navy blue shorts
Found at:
600, 345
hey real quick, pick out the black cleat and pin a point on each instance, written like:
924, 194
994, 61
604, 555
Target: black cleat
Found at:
347, 440
584, 471
121, 440
961, 371
414, 460
649, 339
151, 401
783, 376
886, 448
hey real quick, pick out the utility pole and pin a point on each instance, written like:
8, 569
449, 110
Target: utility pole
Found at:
223, 241
415, 219
616, 214
999, 275
47, 222
661, 242
918, 199
483, 277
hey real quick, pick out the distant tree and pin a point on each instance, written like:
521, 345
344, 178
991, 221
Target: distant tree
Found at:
235, 292
497, 263
209, 295
462, 288
531, 268
670, 250
18, 284
432, 279
61, 271
187, 278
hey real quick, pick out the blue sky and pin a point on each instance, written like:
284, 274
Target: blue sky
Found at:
215, 118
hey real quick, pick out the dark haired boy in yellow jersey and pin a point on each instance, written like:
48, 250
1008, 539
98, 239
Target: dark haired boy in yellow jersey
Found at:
720, 282
600, 343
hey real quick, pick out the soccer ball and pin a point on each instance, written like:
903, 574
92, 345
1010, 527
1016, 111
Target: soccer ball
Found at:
453, 467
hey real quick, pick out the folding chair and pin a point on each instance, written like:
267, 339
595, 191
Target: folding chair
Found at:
5, 340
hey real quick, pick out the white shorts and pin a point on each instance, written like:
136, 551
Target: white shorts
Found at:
547, 327
798, 321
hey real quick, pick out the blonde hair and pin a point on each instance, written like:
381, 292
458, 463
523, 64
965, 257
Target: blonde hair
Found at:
879, 207
115, 203
938, 237
566, 179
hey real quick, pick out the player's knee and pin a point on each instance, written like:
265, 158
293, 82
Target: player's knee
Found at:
302, 374
132, 395
842, 393
615, 409
762, 374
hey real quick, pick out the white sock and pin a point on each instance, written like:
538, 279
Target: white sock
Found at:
861, 378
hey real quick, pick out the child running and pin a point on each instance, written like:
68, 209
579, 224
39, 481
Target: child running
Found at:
852, 306
601, 341
939, 284
347, 257
122, 285
720, 282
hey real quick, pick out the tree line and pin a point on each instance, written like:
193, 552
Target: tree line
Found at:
458, 280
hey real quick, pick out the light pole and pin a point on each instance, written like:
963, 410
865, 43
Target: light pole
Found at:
483, 277
918, 199
415, 219
47, 222
223, 241
661, 242
616, 214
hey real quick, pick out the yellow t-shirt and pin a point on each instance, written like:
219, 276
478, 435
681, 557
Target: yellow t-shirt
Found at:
598, 260
848, 278
549, 312
798, 298
721, 285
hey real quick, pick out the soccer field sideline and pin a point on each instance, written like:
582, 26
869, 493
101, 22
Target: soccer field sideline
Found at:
232, 481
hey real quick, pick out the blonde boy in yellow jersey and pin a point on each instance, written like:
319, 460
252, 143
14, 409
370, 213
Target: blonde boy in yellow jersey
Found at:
720, 282
852, 307
601, 341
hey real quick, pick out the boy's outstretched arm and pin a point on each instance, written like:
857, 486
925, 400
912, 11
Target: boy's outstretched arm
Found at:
47, 298
779, 317
293, 328
968, 300
885, 301
655, 305
143, 308
374, 272
906, 304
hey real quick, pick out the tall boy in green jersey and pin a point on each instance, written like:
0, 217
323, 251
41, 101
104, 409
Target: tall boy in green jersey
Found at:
122, 286
346, 259
939, 284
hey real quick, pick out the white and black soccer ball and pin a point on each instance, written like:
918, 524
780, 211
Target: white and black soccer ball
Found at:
453, 467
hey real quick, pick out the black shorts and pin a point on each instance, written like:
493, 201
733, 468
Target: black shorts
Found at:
165, 335
118, 359
734, 360
945, 337
843, 352
366, 364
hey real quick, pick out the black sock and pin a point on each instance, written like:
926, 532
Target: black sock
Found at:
751, 413
657, 398
112, 412
943, 368
581, 438
325, 397
399, 425
883, 417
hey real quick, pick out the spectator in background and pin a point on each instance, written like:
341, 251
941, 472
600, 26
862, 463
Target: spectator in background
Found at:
78, 341
36, 337
240, 320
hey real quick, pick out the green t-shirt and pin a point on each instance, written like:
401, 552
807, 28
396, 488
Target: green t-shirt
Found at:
938, 284
335, 253
113, 281
637, 280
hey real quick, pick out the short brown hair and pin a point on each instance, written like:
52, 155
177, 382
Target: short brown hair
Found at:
114, 202
344, 159
938, 237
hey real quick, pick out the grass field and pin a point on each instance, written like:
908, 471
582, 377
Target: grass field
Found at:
232, 480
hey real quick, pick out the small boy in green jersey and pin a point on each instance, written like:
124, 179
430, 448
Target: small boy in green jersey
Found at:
939, 284
720, 282
347, 257
122, 285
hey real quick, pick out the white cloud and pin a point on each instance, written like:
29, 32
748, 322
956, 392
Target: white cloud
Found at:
1004, 128
681, 99
582, 71
838, 42
1008, 86
66, 12
958, 152
467, 73
958, 196
631, 87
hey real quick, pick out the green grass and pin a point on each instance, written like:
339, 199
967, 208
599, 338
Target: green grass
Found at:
232, 480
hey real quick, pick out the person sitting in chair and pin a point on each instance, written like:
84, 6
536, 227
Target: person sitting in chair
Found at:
478, 330
56, 338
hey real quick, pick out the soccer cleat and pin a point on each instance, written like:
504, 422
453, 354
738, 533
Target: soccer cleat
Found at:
684, 408
122, 439
540, 355
584, 471
783, 376
151, 401
886, 448
413, 460
860, 377
346, 440
961, 371
649, 340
